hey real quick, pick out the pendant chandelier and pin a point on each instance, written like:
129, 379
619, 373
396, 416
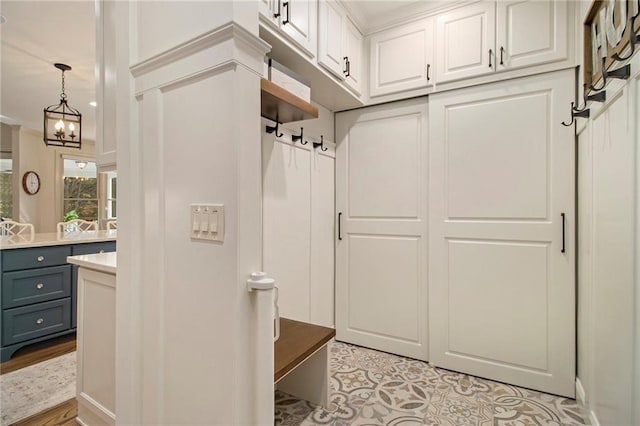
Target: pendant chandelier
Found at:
62, 123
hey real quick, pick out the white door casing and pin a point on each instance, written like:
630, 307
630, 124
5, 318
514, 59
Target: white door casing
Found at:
381, 246
530, 32
501, 295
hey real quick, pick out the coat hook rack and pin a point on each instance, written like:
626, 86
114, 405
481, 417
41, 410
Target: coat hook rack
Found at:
296, 138
321, 144
622, 73
633, 40
271, 129
584, 113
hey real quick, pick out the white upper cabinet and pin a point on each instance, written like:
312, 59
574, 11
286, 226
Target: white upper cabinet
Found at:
497, 36
402, 58
530, 32
465, 40
353, 57
331, 36
297, 19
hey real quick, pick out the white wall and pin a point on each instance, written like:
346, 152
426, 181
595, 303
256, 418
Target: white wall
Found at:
608, 234
43, 209
185, 318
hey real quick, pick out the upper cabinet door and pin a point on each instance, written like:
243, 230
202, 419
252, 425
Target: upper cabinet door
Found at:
531, 32
465, 42
331, 37
269, 9
402, 58
298, 19
353, 55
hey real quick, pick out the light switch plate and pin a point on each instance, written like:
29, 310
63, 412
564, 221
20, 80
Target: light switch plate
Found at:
207, 222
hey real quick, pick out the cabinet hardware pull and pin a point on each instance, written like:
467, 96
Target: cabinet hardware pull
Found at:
277, 14
39, 286
490, 53
101, 251
563, 248
428, 70
340, 226
39, 321
40, 258
346, 65
501, 53
288, 6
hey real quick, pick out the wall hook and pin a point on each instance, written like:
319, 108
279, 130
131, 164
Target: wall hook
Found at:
596, 97
296, 138
633, 40
271, 129
584, 113
621, 73
321, 144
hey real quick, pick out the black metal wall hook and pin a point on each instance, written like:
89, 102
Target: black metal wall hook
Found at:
321, 144
296, 138
633, 40
622, 73
596, 97
271, 129
584, 113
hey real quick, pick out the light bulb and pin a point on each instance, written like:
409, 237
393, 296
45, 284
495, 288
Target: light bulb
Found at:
71, 127
59, 125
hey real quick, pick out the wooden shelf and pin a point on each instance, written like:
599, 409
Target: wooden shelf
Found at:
280, 105
297, 341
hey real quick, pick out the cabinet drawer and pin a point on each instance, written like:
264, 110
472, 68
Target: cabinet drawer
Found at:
38, 257
21, 288
91, 248
29, 322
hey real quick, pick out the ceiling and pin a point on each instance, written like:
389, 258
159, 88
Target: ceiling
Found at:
371, 15
36, 35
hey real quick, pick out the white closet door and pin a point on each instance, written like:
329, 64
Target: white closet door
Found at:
322, 288
381, 252
286, 222
502, 292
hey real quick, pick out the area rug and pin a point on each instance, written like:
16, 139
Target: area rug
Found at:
32, 389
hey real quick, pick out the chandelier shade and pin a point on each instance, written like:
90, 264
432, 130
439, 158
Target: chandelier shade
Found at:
62, 123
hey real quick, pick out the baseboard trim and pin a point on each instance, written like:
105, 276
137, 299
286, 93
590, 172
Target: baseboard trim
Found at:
580, 395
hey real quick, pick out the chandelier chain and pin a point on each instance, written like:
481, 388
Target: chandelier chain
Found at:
63, 95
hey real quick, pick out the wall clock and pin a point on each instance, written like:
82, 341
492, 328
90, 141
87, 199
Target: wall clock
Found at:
31, 182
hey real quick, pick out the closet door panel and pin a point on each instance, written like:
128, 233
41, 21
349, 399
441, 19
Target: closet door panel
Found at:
322, 239
502, 296
381, 182
287, 222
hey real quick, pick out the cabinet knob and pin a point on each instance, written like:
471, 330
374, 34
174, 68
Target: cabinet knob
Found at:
39, 321
39, 286
101, 251
40, 258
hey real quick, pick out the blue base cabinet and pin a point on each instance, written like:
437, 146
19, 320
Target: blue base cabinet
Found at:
38, 293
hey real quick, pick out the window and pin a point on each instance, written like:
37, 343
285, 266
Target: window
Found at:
6, 186
80, 188
111, 193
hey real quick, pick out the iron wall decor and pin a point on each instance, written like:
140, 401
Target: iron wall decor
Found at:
610, 30
62, 123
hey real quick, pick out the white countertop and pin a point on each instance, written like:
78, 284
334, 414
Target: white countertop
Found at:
103, 262
54, 239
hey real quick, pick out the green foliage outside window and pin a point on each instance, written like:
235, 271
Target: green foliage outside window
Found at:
81, 195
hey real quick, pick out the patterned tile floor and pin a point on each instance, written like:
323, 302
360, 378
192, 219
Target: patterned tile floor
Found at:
375, 388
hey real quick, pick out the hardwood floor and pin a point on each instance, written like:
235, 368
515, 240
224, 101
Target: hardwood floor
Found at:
63, 414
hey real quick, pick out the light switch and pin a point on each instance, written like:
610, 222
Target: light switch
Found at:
207, 222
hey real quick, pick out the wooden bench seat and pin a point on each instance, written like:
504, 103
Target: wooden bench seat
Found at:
301, 355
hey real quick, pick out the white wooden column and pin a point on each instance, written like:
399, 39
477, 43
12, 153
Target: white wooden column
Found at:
185, 337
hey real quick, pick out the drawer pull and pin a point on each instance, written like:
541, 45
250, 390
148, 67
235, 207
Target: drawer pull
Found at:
39, 286
39, 321
40, 258
101, 251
